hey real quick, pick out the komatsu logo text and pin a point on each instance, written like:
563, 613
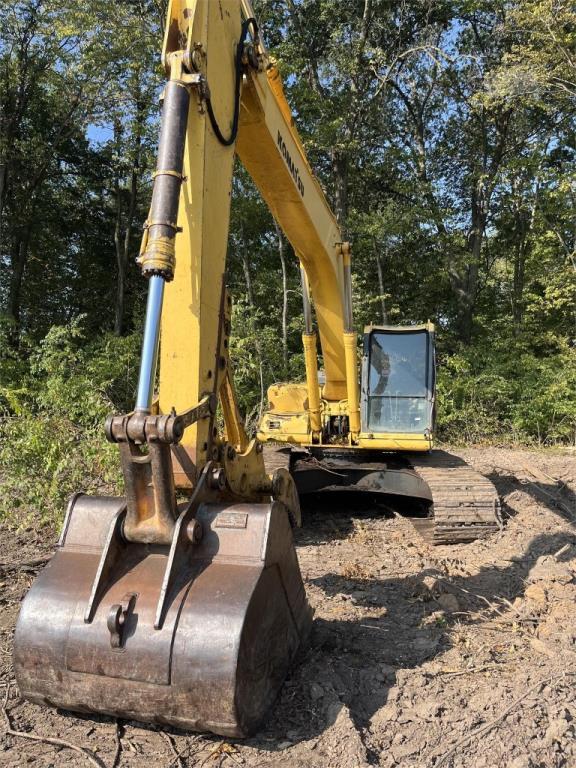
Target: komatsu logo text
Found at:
290, 163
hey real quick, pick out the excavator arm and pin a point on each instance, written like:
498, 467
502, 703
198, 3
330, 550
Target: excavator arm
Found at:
182, 602
238, 105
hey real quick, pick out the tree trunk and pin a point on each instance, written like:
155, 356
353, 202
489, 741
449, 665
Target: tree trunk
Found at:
422, 173
123, 251
122, 244
248, 280
380, 271
518, 279
469, 284
524, 224
19, 259
252, 305
340, 175
121, 274
3, 180
311, 61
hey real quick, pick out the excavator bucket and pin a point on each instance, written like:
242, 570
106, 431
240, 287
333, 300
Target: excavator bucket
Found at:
198, 634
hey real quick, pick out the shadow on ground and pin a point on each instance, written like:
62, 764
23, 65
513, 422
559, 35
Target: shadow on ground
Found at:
355, 661
558, 498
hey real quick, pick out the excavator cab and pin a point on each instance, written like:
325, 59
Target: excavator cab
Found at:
398, 372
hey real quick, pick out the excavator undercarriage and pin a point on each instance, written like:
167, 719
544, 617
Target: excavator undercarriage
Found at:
446, 500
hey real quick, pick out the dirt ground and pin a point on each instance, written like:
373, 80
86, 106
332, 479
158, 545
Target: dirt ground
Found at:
420, 656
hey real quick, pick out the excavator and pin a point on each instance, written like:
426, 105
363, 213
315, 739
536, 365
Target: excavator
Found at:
182, 602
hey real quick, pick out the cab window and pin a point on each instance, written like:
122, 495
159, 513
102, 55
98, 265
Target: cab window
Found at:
400, 381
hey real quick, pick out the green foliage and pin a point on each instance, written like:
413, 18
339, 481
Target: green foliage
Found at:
257, 354
508, 393
52, 441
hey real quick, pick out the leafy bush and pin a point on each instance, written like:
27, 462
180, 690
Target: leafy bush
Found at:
55, 396
52, 416
515, 391
256, 354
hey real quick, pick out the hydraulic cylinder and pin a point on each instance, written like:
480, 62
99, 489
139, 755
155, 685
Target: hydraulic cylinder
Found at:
350, 344
309, 342
157, 256
150, 344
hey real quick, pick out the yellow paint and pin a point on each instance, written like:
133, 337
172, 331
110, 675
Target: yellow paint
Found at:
285, 428
181, 17
350, 350
309, 341
233, 424
272, 152
395, 441
287, 398
269, 147
190, 318
245, 472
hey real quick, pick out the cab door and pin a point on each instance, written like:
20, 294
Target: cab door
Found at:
398, 380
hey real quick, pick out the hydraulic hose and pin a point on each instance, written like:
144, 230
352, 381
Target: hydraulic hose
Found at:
227, 142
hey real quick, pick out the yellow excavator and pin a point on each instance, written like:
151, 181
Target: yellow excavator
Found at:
182, 601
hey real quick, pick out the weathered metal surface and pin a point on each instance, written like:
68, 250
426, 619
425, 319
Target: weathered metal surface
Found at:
150, 493
235, 615
338, 469
157, 255
142, 427
277, 456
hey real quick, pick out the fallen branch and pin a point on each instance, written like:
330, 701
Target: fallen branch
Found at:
177, 756
552, 497
18, 565
458, 672
485, 728
118, 738
491, 606
9, 731
561, 551
90, 756
525, 481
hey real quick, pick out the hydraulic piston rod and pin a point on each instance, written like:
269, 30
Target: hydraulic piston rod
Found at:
150, 344
309, 341
350, 344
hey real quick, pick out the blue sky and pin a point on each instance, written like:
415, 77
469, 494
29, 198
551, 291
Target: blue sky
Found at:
98, 134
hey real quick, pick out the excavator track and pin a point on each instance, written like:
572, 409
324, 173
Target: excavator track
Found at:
465, 504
